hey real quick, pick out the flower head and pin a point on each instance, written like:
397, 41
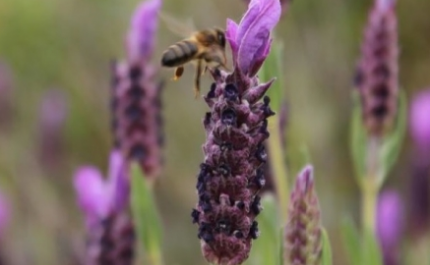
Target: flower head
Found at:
105, 205
250, 40
303, 244
419, 119
232, 174
141, 35
136, 96
377, 73
389, 225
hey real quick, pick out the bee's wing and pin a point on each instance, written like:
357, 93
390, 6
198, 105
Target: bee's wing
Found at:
182, 28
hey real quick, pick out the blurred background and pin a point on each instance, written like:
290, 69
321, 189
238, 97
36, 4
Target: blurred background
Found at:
54, 95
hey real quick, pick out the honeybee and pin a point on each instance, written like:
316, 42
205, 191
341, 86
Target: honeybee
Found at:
205, 47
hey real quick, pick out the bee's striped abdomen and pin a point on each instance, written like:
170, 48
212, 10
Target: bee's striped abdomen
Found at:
179, 53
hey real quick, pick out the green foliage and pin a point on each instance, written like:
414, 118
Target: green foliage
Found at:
145, 215
361, 249
326, 251
392, 144
264, 249
389, 148
351, 241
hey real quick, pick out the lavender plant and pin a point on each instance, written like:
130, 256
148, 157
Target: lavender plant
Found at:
303, 232
110, 229
389, 226
419, 205
378, 123
379, 118
136, 96
236, 127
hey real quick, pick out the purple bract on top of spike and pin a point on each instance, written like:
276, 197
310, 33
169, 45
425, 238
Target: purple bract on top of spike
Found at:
250, 40
377, 73
303, 244
105, 204
420, 121
389, 226
136, 95
231, 175
141, 35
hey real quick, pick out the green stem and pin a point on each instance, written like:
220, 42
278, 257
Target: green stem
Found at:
279, 170
155, 257
369, 202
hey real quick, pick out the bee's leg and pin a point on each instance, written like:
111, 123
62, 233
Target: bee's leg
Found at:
205, 70
197, 79
178, 72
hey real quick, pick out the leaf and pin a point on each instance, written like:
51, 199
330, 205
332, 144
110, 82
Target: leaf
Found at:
392, 143
145, 216
351, 240
326, 251
358, 142
263, 248
370, 249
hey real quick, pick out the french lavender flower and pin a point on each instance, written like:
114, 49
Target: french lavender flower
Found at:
377, 73
110, 230
52, 117
136, 96
419, 120
284, 5
419, 201
303, 243
389, 226
236, 127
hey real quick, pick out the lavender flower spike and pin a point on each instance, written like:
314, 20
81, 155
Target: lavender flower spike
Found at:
136, 95
143, 26
419, 120
389, 226
377, 73
231, 175
303, 244
110, 230
250, 40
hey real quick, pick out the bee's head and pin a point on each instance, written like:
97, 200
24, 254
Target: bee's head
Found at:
220, 36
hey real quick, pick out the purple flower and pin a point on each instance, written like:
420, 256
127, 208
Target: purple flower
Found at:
419, 119
105, 204
231, 175
377, 72
303, 244
250, 40
284, 5
141, 35
52, 116
136, 105
389, 226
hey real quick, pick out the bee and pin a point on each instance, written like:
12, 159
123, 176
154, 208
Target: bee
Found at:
205, 47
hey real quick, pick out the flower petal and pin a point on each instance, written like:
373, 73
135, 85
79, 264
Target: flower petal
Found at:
230, 35
419, 119
119, 181
261, 17
141, 35
92, 191
389, 219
